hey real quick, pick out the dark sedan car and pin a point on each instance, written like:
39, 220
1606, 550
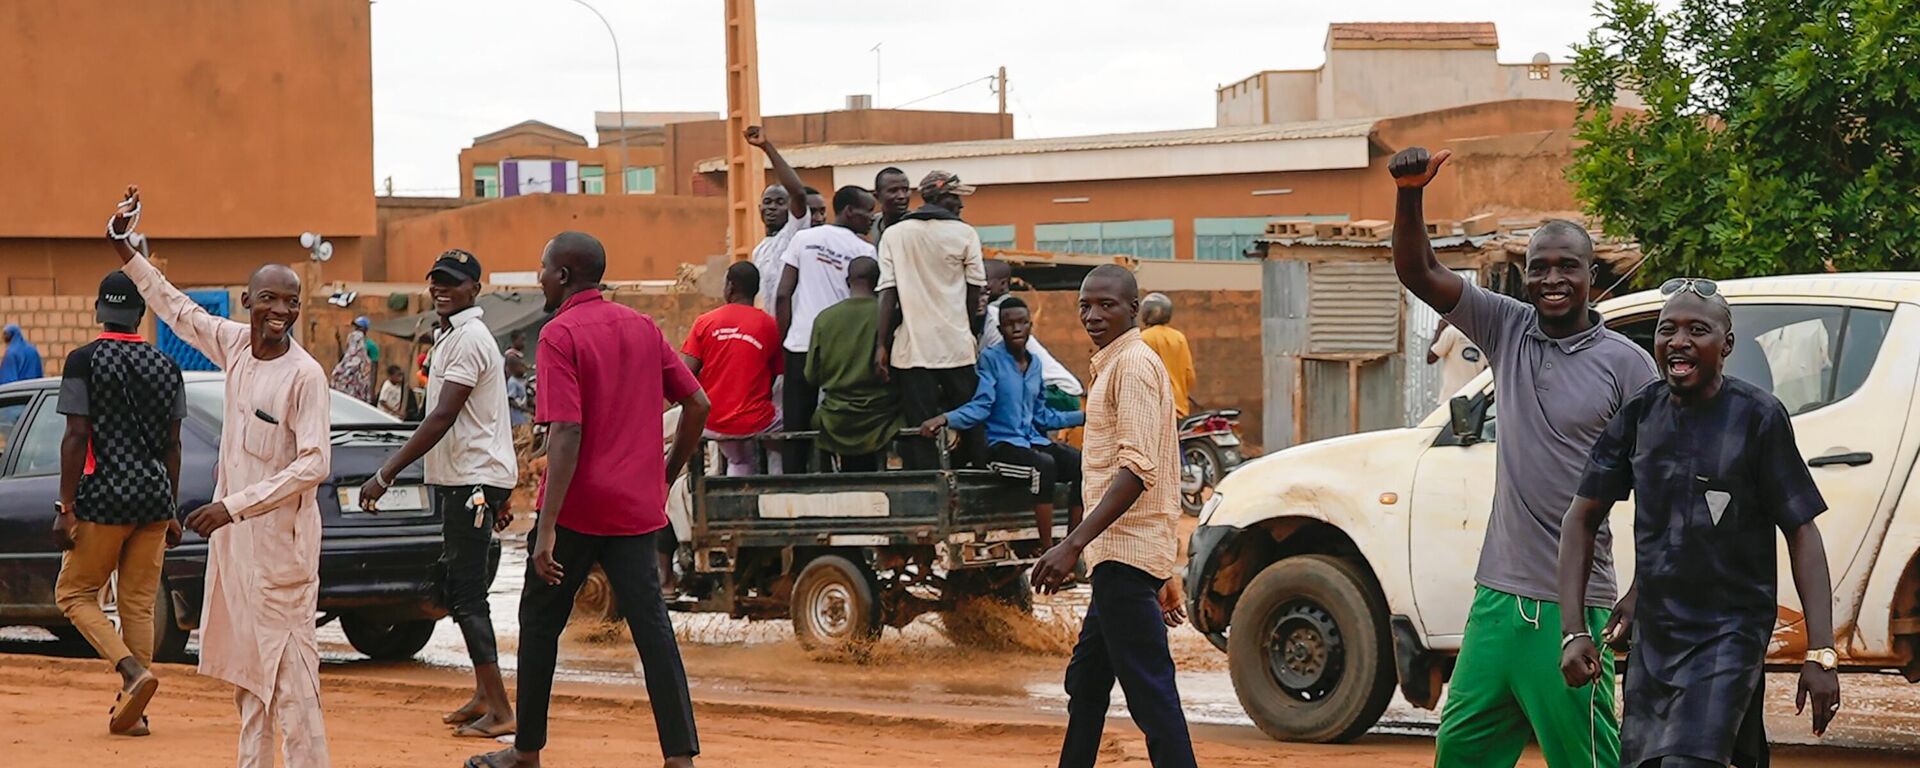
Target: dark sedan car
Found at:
378, 573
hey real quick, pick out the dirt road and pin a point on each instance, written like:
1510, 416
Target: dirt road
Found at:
54, 713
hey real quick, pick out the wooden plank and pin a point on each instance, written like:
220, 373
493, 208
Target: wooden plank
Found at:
1353, 396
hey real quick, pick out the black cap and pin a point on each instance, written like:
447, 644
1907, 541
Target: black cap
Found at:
457, 264
119, 302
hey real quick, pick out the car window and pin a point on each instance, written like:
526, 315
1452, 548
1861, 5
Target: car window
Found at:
11, 410
1807, 355
207, 398
39, 446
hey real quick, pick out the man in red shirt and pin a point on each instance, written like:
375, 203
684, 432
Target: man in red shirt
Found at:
735, 350
604, 369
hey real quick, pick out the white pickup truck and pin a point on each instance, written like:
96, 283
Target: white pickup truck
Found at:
1331, 571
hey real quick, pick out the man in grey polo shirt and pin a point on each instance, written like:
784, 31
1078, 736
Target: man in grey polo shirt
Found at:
1559, 374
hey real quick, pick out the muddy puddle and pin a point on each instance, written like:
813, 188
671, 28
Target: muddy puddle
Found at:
920, 664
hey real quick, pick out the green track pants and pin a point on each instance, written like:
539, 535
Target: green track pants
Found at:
1506, 686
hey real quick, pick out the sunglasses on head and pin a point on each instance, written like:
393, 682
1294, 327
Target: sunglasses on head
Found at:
1698, 286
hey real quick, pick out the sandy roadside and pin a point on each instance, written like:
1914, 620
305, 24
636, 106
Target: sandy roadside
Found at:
54, 711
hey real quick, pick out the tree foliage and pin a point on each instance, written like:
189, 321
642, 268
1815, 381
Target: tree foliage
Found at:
1779, 136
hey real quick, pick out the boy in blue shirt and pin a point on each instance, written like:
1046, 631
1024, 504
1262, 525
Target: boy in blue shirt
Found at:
1010, 400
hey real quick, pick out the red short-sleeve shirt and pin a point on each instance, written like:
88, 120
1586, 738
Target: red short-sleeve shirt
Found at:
739, 352
610, 370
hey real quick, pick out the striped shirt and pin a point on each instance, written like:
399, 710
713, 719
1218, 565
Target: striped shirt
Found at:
1130, 423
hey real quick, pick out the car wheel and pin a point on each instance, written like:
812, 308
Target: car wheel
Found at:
387, 640
1308, 651
169, 640
834, 604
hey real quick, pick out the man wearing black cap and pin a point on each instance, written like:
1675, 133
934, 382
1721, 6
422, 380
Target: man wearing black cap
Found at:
119, 471
467, 440
932, 277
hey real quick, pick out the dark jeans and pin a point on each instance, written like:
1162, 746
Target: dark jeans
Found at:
798, 400
463, 558
1123, 638
1042, 466
926, 393
631, 565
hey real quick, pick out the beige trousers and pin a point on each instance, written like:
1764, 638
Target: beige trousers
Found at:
136, 551
295, 707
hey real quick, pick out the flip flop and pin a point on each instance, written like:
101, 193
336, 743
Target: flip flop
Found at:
139, 729
460, 718
130, 705
469, 731
490, 759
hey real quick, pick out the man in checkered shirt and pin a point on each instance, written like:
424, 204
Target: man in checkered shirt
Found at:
119, 475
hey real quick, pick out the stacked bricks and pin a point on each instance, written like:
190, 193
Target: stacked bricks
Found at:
55, 324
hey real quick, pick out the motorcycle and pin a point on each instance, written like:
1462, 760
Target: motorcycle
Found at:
1209, 449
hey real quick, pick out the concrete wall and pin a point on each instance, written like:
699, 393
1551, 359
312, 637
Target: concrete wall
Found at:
1369, 82
647, 236
689, 143
56, 325
238, 119
49, 266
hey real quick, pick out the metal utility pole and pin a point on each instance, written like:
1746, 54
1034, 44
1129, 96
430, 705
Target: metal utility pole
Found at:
620, 100
744, 172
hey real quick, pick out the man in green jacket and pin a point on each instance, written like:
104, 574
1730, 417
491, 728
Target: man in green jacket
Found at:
858, 414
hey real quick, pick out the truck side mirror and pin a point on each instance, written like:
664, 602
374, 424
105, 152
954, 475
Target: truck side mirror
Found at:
1466, 420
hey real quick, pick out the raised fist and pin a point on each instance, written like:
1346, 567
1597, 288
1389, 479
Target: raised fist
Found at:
755, 137
1412, 168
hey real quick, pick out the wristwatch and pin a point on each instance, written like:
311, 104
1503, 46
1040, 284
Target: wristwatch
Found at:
1825, 657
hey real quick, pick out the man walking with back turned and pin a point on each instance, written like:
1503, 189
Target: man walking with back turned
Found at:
119, 481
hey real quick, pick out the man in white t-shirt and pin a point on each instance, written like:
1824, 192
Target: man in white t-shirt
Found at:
783, 209
471, 470
1459, 358
814, 277
933, 275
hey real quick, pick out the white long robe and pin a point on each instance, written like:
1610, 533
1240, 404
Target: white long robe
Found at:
263, 570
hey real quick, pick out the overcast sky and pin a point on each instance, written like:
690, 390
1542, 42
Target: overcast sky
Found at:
445, 71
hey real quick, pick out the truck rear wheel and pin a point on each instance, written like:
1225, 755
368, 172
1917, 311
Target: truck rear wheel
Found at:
594, 601
1309, 652
835, 604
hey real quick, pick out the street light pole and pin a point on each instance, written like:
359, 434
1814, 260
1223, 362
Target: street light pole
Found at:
618, 82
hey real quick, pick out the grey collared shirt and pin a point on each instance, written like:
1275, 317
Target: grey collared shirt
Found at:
1554, 398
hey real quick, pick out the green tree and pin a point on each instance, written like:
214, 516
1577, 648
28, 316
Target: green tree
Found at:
1779, 136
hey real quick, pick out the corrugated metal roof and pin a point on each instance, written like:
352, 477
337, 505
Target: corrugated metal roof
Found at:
1439, 243
1475, 32
834, 156
533, 126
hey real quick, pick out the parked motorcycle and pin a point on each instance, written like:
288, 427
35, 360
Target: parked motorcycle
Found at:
1209, 449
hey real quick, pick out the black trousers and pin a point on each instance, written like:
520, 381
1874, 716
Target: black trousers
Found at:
1042, 466
929, 392
1124, 638
463, 558
798, 400
632, 571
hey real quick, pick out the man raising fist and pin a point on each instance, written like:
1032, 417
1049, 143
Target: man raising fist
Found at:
1559, 375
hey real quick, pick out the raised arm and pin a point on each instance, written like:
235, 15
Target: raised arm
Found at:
192, 323
789, 178
1413, 259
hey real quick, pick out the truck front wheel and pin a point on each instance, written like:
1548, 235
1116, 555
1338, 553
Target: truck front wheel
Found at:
1309, 652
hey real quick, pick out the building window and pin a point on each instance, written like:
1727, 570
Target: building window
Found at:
1143, 239
1229, 239
486, 181
639, 181
593, 180
1001, 236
